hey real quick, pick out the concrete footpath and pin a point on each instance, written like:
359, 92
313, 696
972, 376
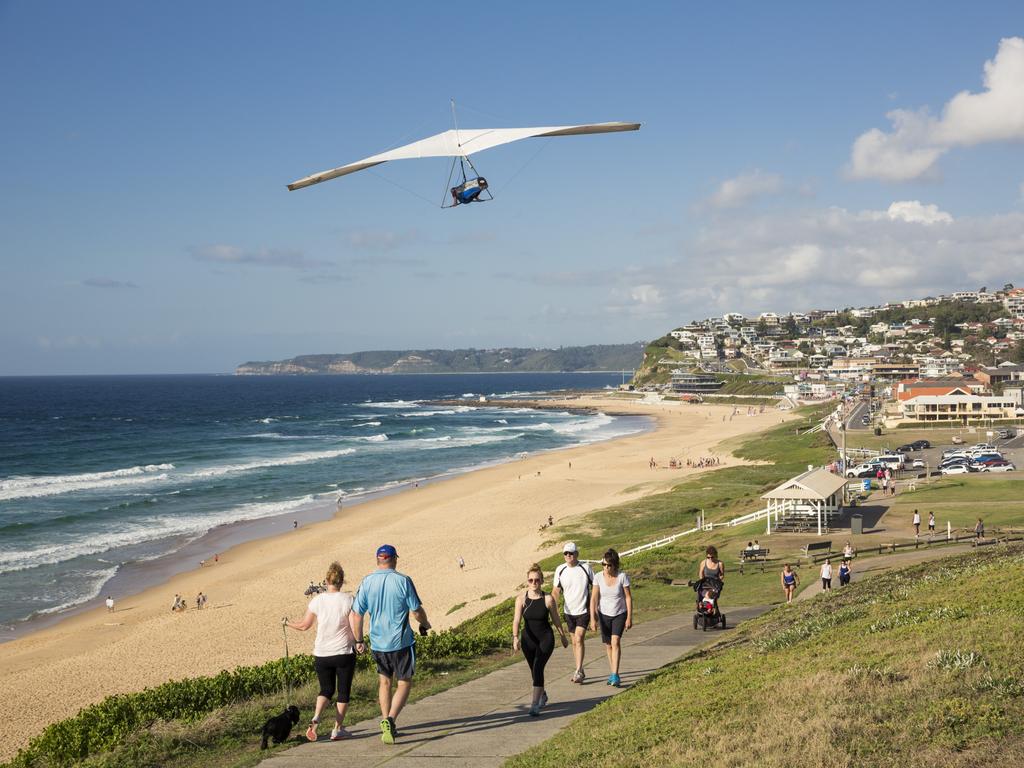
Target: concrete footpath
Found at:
486, 721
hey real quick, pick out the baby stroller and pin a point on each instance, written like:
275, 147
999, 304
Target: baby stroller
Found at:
707, 613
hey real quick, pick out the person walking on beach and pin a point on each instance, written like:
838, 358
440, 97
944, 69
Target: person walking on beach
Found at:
538, 610
917, 523
574, 579
389, 597
334, 650
826, 574
790, 579
611, 607
461, 562
110, 604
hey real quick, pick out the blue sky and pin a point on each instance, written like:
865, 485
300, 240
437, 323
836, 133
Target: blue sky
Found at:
792, 156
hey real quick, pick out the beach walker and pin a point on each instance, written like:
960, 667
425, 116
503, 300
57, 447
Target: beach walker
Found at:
707, 615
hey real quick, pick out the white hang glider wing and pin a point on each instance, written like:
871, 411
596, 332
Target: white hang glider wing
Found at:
462, 143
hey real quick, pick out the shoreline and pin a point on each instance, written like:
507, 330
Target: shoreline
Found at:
136, 576
480, 514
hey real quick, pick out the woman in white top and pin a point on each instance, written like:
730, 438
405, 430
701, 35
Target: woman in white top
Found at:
611, 606
826, 574
334, 652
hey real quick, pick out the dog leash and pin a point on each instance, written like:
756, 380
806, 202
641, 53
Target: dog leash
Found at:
287, 679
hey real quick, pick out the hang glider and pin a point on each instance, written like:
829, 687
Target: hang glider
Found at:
460, 144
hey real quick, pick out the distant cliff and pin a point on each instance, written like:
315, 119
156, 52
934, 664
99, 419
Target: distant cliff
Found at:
597, 357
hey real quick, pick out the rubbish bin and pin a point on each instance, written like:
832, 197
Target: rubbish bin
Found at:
856, 524
878, 431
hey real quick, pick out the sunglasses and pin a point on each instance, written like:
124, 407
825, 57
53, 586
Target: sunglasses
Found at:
534, 581
569, 554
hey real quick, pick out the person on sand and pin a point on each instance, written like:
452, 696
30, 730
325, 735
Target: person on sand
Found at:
790, 580
110, 604
461, 562
575, 579
611, 606
389, 597
334, 650
538, 610
826, 574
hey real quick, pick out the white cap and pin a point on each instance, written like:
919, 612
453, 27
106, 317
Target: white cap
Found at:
570, 547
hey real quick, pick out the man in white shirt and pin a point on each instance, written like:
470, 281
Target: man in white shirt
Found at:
574, 579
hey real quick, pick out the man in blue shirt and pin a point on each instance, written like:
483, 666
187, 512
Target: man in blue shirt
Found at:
389, 597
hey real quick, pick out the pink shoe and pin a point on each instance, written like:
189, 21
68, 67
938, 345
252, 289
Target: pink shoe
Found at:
311, 731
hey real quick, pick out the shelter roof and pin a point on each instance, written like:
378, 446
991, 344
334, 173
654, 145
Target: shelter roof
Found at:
817, 484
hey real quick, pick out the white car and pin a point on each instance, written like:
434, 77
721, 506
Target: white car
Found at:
917, 464
1008, 467
956, 469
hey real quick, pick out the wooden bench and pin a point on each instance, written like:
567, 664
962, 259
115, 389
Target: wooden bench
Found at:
816, 549
759, 555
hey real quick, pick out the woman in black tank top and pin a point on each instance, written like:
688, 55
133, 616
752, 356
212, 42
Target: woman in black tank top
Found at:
537, 610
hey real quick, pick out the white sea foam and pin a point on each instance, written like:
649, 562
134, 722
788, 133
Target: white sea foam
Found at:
445, 412
267, 420
393, 404
501, 421
460, 442
374, 438
368, 424
94, 584
139, 532
281, 461
31, 486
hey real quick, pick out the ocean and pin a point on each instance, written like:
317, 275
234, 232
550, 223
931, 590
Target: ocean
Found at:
115, 483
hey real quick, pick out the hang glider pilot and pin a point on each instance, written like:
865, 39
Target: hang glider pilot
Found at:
468, 191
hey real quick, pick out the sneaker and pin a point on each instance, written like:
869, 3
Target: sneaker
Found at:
583, 676
614, 680
311, 731
535, 710
575, 677
337, 734
543, 699
387, 734
611, 679
394, 727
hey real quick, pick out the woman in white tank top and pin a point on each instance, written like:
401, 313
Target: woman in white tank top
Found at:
611, 607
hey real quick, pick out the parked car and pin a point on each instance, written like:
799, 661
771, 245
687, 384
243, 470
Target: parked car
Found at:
862, 470
920, 445
1002, 466
1007, 434
958, 469
986, 460
983, 447
865, 420
917, 464
957, 440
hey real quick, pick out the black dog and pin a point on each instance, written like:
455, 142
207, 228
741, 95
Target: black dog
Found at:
279, 727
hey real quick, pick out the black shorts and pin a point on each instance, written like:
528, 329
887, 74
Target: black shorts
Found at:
581, 620
611, 626
335, 673
399, 664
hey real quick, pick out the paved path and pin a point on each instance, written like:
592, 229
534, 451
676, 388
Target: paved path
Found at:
484, 722
875, 565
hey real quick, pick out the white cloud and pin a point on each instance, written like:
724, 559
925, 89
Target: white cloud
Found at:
741, 189
911, 149
263, 257
915, 212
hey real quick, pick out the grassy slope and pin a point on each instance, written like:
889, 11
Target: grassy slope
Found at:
877, 674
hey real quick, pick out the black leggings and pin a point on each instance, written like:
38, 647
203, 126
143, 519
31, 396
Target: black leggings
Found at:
335, 672
537, 652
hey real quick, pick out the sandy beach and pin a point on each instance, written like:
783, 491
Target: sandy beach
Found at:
491, 517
